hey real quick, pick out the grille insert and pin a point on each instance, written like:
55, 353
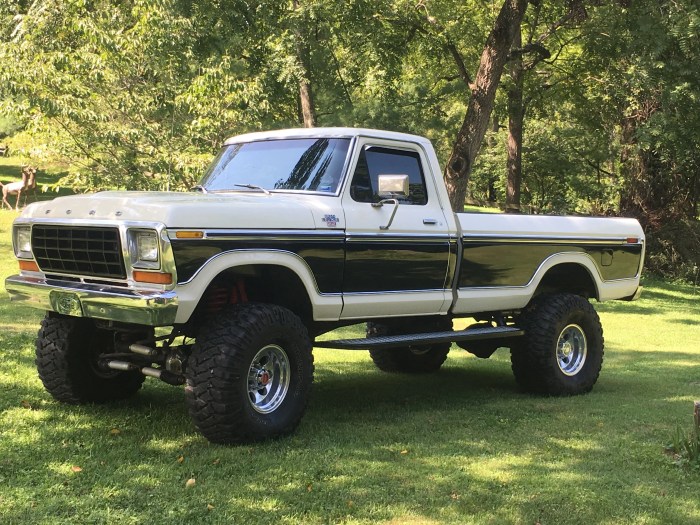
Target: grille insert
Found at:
94, 252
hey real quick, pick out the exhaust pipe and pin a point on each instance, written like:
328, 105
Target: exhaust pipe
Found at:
122, 366
143, 350
163, 375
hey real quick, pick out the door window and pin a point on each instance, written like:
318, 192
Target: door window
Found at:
375, 161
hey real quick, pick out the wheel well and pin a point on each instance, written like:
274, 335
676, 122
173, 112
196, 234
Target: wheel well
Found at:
270, 284
570, 278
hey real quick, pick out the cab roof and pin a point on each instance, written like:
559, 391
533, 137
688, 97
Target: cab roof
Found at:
327, 133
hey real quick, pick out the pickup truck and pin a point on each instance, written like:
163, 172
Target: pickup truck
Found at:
289, 235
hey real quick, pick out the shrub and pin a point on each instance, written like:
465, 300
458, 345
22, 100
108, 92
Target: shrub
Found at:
685, 447
673, 251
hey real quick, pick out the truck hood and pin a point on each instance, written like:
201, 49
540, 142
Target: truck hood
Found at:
181, 210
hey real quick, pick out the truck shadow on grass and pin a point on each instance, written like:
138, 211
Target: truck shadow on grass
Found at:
461, 445
364, 389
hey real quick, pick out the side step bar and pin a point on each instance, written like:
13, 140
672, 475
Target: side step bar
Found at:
475, 334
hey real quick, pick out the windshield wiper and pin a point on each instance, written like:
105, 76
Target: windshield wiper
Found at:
254, 187
199, 188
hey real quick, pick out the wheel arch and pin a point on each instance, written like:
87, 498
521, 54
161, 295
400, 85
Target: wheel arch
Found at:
509, 298
574, 277
276, 277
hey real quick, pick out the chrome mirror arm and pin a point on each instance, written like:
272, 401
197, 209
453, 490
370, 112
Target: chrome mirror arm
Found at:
381, 203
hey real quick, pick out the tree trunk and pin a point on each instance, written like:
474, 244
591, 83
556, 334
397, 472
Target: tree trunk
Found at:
516, 117
491, 143
306, 98
483, 93
308, 112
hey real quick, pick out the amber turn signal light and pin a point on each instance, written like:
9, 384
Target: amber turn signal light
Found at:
152, 277
189, 235
28, 266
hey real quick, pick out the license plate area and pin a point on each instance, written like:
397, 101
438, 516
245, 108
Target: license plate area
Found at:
66, 303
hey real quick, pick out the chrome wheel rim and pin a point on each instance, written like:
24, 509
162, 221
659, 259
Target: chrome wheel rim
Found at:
268, 379
572, 349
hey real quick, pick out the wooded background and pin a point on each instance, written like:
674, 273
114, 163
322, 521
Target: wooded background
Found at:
563, 106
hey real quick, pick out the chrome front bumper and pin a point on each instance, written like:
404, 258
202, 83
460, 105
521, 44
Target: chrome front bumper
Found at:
152, 308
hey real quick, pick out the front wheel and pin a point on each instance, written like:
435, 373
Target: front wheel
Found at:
67, 354
561, 353
249, 375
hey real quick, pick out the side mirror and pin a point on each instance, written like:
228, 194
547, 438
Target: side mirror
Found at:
392, 186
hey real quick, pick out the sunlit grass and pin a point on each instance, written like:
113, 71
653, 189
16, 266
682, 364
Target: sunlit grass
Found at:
461, 446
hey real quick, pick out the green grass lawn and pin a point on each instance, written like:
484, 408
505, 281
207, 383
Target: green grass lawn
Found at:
460, 446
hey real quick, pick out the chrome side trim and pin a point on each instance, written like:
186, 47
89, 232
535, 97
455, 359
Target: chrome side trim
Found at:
458, 267
146, 307
390, 292
565, 239
284, 235
425, 238
272, 235
522, 287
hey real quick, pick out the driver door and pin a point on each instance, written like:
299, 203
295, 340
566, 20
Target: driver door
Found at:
397, 253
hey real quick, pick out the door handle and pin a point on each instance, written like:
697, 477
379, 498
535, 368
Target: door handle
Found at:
430, 221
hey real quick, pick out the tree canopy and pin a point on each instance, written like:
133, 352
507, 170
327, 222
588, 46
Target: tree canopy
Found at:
566, 106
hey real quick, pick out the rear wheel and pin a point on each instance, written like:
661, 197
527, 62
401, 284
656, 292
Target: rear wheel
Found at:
561, 353
412, 359
249, 375
67, 354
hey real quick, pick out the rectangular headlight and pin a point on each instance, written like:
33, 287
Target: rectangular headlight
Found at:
145, 248
22, 241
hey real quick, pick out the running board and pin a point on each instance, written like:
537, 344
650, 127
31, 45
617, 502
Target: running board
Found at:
391, 341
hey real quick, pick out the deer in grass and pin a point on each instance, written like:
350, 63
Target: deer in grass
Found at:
27, 184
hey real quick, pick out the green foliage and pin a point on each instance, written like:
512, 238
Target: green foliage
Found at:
685, 447
144, 93
673, 250
646, 91
140, 94
8, 126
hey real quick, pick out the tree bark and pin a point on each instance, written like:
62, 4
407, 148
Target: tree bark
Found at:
488, 76
516, 117
308, 111
491, 143
306, 97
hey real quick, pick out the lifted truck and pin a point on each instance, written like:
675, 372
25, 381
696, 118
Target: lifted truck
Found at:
289, 235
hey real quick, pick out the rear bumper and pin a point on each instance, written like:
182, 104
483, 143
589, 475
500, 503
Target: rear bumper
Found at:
146, 307
636, 295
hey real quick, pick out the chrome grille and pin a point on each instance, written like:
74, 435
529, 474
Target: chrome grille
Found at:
95, 252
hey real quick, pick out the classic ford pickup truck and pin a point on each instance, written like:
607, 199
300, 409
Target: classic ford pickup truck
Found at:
289, 235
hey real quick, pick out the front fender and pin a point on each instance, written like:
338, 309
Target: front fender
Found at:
325, 307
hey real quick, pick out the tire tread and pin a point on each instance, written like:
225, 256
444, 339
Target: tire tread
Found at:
219, 359
534, 361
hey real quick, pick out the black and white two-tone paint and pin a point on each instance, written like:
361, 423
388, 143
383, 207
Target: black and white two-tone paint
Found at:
311, 202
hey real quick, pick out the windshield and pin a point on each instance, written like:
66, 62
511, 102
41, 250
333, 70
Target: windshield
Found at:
309, 164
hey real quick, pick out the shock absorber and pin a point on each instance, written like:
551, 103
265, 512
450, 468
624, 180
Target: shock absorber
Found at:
221, 295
